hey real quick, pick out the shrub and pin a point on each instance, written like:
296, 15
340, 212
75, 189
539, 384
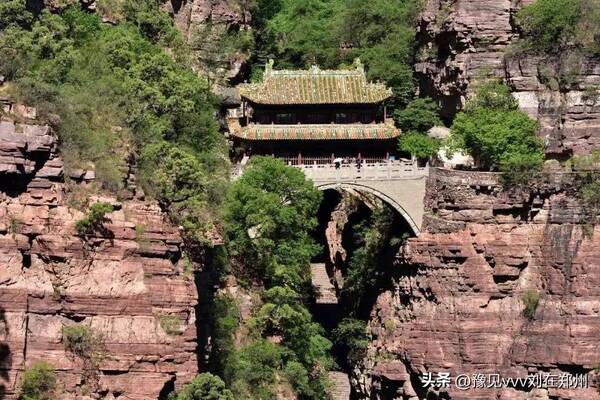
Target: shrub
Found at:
493, 95
419, 115
521, 169
82, 341
350, 337
205, 386
531, 299
494, 133
39, 382
94, 218
550, 24
590, 195
419, 145
171, 324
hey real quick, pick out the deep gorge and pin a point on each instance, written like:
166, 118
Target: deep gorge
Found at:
500, 279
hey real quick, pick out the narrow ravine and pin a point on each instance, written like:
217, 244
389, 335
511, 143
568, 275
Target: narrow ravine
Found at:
360, 236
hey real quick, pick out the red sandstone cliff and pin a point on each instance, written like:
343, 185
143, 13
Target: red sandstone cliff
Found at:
124, 283
457, 300
460, 39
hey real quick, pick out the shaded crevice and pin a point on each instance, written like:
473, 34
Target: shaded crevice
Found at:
167, 389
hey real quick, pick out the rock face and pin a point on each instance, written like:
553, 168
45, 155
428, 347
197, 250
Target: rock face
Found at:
204, 24
459, 40
457, 305
125, 282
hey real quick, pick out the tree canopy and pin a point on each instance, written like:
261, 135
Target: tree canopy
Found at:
205, 386
551, 26
331, 33
495, 132
114, 93
270, 215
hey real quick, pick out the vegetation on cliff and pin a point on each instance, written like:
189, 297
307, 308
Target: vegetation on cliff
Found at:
332, 33
94, 218
553, 26
495, 133
419, 116
116, 92
39, 382
270, 214
205, 386
562, 34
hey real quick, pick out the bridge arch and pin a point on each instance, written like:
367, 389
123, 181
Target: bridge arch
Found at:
377, 192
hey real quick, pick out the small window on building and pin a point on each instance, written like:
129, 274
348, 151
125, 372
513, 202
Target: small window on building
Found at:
315, 118
284, 119
342, 118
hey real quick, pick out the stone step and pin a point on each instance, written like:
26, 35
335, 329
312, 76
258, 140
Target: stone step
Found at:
324, 290
340, 388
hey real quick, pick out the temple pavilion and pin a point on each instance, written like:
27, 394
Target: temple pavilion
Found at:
314, 114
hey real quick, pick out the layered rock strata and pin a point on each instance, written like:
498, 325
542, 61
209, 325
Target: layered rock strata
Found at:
126, 282
461, 40
458, 298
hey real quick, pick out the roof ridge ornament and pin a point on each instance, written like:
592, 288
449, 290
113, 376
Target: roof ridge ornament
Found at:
358, 65
269, 66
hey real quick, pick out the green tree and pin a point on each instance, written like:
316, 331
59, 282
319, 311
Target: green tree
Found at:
205, 386
39, 382
495, 133
350, 338
14, 12
419, 145
549, 25
93, 220
382, 34
302, 335
419, 115
269, 216
252, 371
303, 33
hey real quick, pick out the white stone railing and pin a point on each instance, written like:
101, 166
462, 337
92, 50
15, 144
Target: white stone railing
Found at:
375, 171
369, 171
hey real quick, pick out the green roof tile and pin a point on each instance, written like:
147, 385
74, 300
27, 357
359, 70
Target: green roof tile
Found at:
315, 86
317, 132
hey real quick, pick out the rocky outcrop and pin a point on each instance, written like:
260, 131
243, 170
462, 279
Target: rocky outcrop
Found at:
460, 40
204, 24
457, 303
128, 282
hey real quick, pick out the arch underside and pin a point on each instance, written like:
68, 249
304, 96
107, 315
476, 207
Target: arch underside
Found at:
377, 193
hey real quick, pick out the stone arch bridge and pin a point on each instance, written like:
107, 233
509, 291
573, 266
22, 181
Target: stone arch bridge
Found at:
400, 184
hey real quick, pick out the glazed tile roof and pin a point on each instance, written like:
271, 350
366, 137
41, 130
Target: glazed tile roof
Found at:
317, 132
314, 86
